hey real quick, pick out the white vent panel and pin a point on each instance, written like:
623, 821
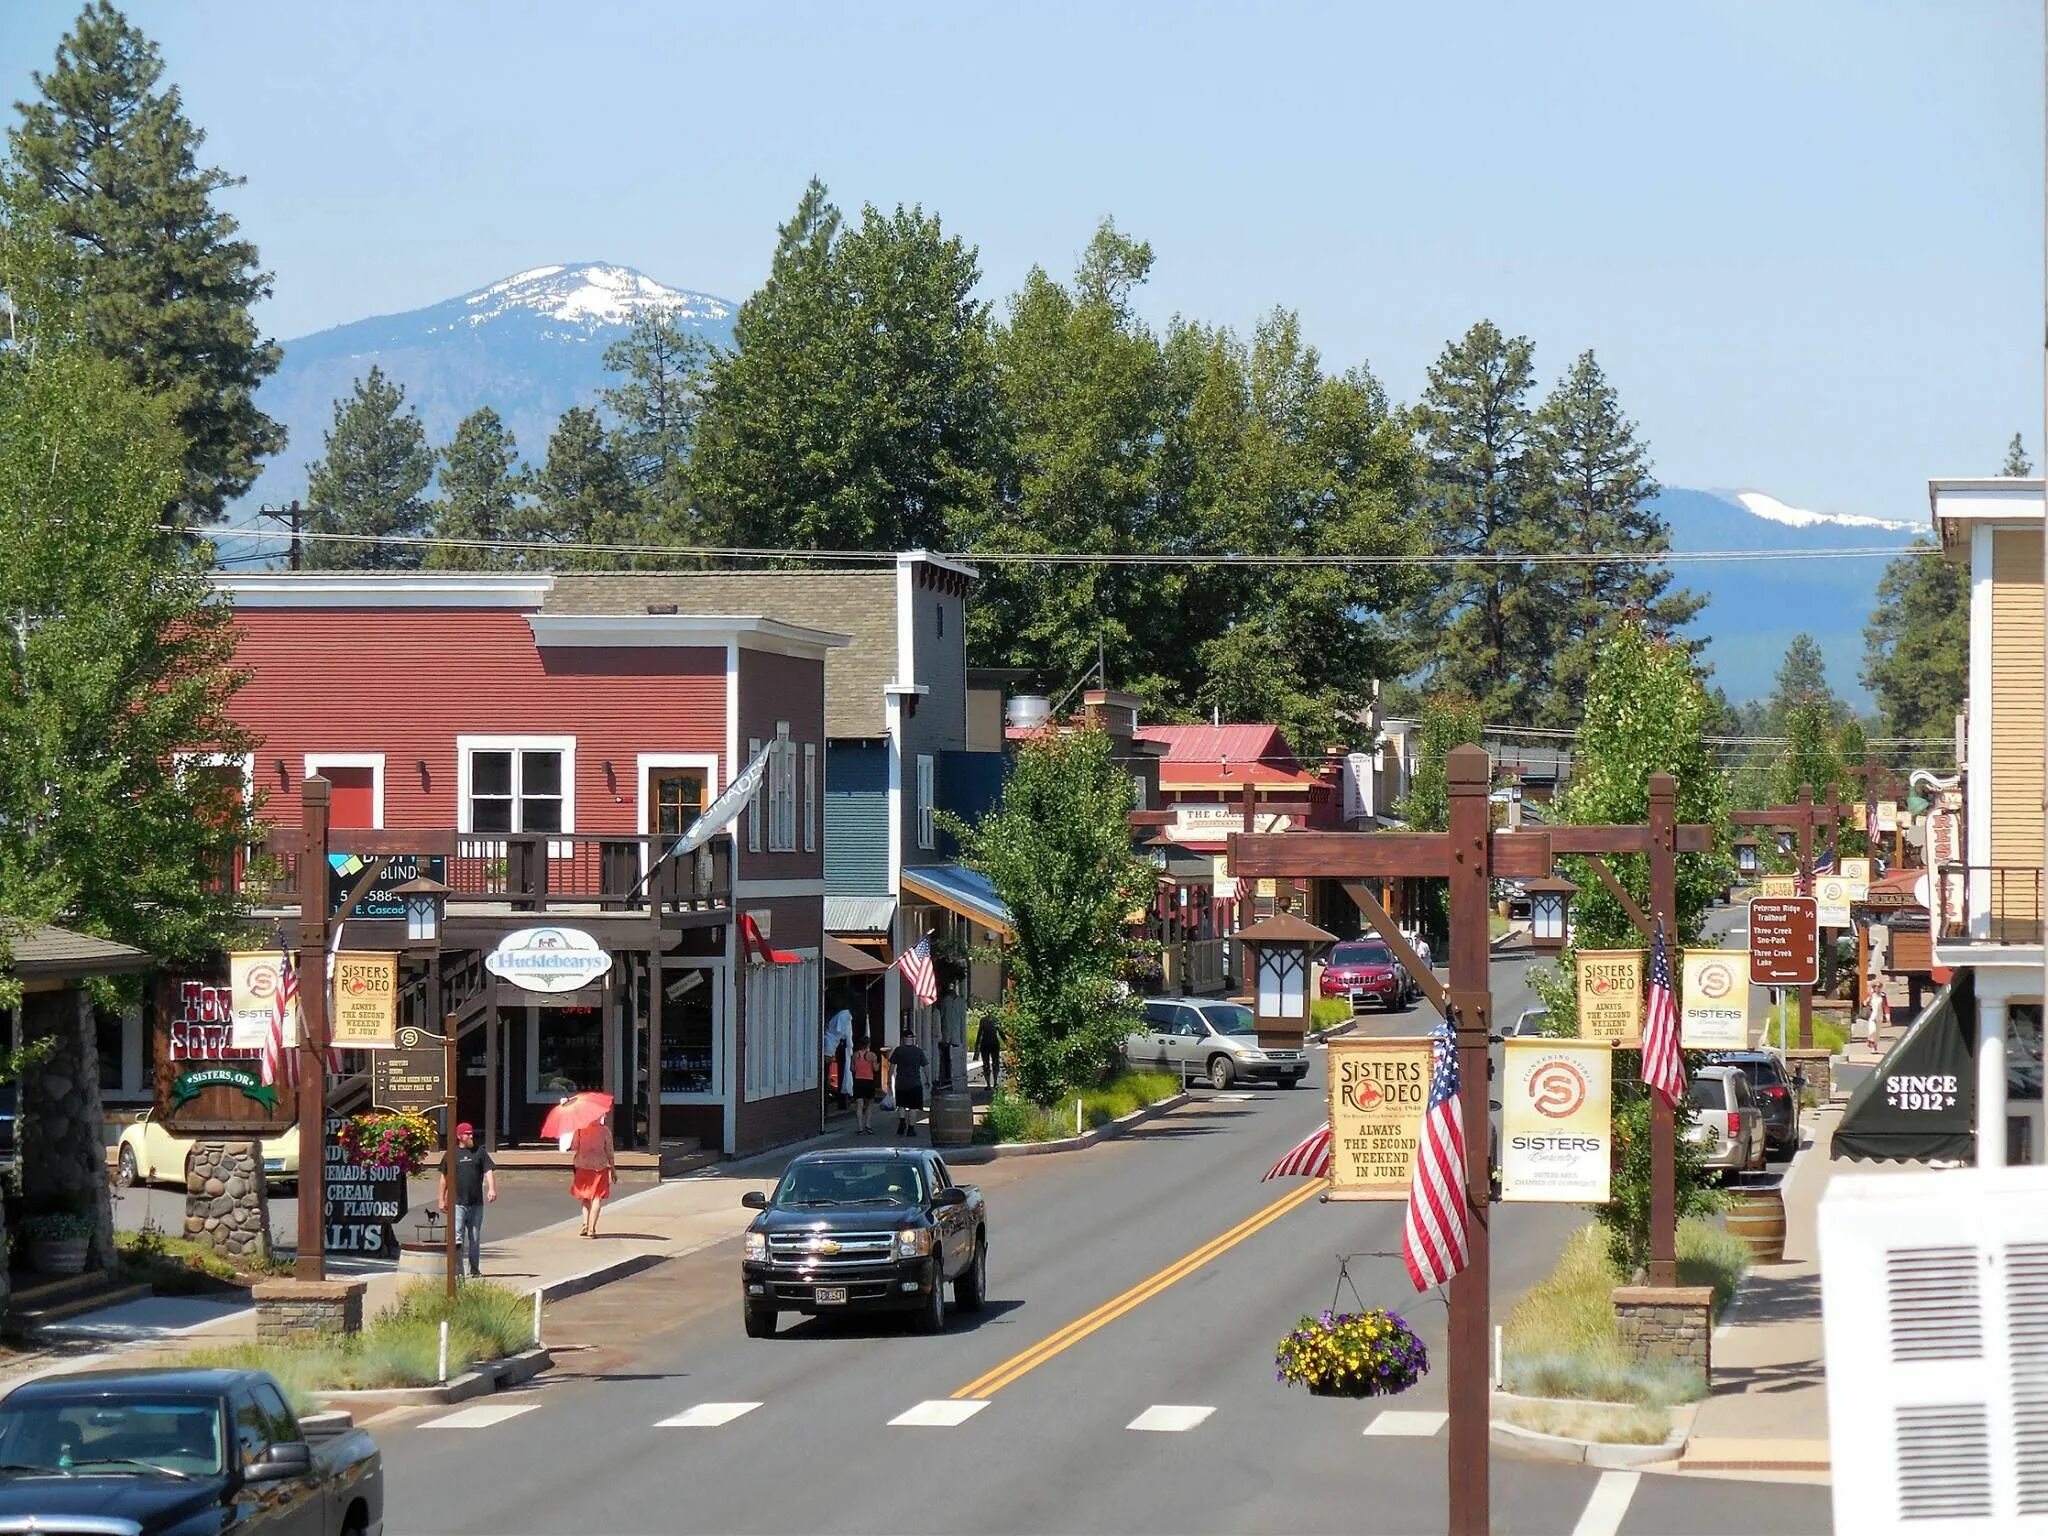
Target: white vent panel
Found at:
1934, 1304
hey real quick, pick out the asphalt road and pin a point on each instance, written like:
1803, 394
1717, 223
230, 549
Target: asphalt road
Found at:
1117, 1299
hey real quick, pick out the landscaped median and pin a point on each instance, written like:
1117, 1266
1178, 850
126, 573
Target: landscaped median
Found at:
1566, 1374
1013, 1124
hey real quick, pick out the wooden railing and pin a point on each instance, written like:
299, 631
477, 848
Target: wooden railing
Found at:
1988, 903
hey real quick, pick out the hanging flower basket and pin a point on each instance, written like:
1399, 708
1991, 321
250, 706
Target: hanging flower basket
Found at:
388, 1139
1352, 1354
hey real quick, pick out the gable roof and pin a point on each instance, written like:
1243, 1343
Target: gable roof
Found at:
1196, 756
42, 950
860, 604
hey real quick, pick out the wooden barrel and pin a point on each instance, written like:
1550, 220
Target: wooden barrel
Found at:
1756, 1214
419, 1259
952, 1119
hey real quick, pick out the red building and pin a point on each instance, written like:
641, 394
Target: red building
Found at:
566, 748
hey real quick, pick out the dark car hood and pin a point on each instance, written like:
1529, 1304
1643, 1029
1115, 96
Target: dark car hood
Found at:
145, 1500
837, 1218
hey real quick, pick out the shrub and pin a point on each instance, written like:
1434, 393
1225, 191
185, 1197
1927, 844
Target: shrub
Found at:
497, 1319
406, 1353
1356, 1354
1611, 1426
1329, 1013
57, 1226
1011, 1117
1710, 1255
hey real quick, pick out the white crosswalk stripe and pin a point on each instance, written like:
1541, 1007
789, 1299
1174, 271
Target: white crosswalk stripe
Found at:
1396, 1421
939, 1413
1170, 1418
482, 1416
706, 1416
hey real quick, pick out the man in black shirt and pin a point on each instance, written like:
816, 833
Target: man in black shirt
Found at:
476, 1185
906, 1077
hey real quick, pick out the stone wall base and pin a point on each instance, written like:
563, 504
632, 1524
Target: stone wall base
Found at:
304, 1311
227, 1200
1819, 1068
1660, 1324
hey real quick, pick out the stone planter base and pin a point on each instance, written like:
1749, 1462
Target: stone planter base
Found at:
304, 1311
1672, 1324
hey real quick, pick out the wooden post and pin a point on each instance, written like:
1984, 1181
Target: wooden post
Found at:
1806, 889
448, 1147
312, 979
492, 1055
1663, 1117
1469, 773
655, 983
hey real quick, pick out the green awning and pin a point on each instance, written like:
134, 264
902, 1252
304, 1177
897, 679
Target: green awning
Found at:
1921, 1102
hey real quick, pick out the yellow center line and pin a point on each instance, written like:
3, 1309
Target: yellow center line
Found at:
1045, 1349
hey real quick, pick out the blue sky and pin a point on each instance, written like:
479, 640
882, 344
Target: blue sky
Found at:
1804, 238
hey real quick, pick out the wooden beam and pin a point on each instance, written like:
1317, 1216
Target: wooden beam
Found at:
1390, 931
369, 840
1635, 913
1522, 855
1338, 855
1693, 837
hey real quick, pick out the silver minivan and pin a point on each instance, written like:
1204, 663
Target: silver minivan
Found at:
1728, 1123
1200, 1037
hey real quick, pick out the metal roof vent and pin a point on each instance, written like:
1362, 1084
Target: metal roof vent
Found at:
1028, 711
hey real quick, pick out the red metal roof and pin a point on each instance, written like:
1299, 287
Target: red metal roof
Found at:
1224, 756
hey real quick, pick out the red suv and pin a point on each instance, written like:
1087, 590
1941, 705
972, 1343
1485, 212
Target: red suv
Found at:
1365, 971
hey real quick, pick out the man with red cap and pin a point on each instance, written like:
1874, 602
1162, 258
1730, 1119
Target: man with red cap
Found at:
476, 1185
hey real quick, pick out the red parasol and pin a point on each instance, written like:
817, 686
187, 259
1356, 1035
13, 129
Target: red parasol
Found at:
574, 1113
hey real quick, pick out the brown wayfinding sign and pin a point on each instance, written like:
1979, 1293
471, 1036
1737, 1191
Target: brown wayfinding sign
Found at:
1784, 941
1378, 1091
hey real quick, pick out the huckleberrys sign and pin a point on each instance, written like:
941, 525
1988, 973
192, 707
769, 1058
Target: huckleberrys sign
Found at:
548, 959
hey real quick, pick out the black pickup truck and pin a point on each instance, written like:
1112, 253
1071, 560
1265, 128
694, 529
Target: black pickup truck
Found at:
176, 1453
859, 1230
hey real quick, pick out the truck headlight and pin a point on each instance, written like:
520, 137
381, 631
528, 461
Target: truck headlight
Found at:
757, 1245
913, 1242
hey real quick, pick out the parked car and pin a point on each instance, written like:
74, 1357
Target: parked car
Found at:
858, 1230
152, 1153
1533, 1021
176, 1452
1365, 971
1776, 1092
1185, 1035
1727, 1127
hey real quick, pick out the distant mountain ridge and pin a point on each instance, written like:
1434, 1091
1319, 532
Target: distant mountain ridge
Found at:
531, 345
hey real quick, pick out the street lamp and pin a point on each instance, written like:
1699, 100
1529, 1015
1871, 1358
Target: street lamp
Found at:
1281, 948
1745, 855
423, 901
1550, 900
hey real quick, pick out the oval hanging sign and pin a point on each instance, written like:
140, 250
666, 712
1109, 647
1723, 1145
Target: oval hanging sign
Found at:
548, 959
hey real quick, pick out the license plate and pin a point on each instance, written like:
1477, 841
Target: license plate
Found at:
831, 1295
273, 1165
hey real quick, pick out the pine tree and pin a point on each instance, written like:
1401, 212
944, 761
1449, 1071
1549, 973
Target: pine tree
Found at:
582, 495
1802, 680
117, 659
654, 410
165, 285
857, 408
2017, 465
1916, 647
483, 490
1485, 628
1594, 478
371, 480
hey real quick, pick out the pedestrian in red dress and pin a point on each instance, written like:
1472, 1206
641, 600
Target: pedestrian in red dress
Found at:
595, 1161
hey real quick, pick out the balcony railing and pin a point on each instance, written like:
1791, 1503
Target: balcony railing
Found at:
538, 872
1987, 904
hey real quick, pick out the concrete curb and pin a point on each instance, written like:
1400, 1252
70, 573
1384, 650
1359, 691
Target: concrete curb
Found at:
601, 1274
1590, 1453
1115, 1128
491, 1376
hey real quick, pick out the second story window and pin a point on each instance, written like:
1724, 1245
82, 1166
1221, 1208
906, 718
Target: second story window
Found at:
782, 792
516, 789
927, 829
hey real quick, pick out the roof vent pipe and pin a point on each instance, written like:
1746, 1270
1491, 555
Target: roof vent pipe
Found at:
1027, 711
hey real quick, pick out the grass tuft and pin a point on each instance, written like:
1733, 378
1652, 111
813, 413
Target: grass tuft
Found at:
1603, 1381
1611, 1426
1329, 1013
1013, 1118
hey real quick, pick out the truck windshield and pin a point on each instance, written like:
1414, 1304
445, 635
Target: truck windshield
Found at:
852, 1181
132, 1436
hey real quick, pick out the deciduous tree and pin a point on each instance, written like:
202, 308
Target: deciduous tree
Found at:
1916, 647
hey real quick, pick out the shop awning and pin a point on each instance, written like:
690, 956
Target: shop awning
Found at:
960, 889
842, 959
1921, 1102
864, 916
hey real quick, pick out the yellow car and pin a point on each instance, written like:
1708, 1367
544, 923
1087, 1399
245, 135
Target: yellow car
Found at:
154, 1154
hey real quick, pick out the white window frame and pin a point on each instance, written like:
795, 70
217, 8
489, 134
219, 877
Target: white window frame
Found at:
810, 797
782, 792
717, 971
785, 1028
754, 800
705, 763
927, 823
374, 761
468, 746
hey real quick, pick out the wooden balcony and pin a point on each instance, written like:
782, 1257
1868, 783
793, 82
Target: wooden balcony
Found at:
1988, 904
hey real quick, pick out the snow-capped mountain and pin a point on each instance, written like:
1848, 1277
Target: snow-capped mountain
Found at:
530, 346
1755, 607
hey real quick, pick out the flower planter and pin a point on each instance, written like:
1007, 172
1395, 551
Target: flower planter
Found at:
1352, 1355
58, 1255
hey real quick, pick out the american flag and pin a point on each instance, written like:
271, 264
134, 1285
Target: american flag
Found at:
1663, 1067
916, 965
1310, 1159
1245, 893
280, 1063
1433, 1237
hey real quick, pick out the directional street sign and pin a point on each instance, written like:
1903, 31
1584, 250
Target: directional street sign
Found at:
1784, 941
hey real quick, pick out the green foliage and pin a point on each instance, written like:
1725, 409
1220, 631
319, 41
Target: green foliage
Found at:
113, 659
1013, 1118
371, 480
107, 156
1802, 682
857, 409
1448, 720
1058, 851
501, 1319
1328, 1013
655, 409
2017, 465
582, 495
483, 495
1916, 647
1709, 1255
1626, 1216
1812, 755
1594, 484
1352, 1354
1601, 1378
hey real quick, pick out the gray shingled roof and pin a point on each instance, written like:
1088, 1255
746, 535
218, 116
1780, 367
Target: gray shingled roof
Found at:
858, 604
40, 950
